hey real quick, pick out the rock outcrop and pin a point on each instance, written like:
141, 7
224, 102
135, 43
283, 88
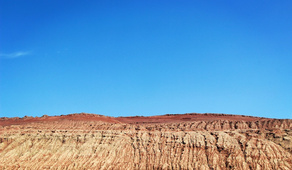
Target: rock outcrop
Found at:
189, 141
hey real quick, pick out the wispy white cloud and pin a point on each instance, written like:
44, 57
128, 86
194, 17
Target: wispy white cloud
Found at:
14, 55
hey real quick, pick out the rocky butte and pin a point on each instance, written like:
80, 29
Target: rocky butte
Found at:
187, 141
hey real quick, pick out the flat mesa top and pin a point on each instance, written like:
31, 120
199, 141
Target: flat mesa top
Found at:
169, 118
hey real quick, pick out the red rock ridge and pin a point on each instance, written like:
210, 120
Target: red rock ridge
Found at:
188, 141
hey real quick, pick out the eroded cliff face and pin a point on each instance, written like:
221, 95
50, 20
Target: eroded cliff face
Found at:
191, 141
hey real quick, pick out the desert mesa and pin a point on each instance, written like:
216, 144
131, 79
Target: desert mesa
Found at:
172, 141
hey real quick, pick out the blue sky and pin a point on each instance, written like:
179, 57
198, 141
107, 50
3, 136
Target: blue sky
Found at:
127, 58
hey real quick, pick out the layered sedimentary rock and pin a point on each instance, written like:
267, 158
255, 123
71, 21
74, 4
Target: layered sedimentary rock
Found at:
189, 141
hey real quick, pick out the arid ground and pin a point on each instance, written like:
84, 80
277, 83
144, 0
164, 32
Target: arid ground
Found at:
187, 141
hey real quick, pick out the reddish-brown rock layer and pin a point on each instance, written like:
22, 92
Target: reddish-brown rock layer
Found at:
189, 141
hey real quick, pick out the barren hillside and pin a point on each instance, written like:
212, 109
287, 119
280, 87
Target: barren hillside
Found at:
188, 141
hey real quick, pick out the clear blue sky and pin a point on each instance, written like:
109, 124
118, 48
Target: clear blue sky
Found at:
127, 58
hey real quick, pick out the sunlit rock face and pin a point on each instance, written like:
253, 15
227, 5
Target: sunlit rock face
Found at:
189, 141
